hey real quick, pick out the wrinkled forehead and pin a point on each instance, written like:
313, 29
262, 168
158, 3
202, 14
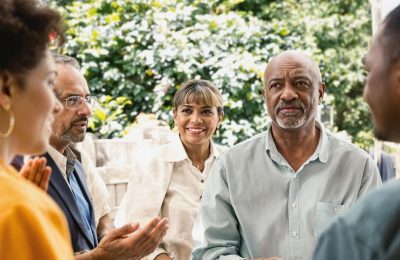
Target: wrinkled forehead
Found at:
294, 65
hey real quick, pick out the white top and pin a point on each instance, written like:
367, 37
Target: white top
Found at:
168, 185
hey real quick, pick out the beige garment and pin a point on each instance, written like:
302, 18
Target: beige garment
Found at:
167, 184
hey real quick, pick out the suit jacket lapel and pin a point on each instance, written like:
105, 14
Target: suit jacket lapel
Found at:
61, 189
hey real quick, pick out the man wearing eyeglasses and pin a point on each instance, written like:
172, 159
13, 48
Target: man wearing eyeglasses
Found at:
68, 184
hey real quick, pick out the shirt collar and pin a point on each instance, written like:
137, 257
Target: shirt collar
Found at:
175, 151
321, 152
62, 160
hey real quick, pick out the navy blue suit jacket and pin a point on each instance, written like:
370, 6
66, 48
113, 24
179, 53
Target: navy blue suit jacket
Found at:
61, 193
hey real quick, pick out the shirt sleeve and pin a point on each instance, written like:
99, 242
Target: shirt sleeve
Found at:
29, 232
371, 178
215, 233
158, 251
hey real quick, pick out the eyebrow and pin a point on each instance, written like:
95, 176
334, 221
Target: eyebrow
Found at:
295, 77
275, 79
302, 77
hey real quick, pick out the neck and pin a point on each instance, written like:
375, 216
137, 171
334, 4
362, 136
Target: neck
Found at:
198, 154
296, 145
58, 144
6, 151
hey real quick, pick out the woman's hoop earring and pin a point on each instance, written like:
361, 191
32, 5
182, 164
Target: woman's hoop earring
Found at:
11, 122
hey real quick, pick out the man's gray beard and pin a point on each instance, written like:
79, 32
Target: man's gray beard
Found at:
73, 139
291, 123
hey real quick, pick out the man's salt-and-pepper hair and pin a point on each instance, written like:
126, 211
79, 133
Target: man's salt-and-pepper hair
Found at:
66, 60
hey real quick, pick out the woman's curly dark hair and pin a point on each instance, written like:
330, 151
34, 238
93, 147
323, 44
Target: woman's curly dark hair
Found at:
25, 29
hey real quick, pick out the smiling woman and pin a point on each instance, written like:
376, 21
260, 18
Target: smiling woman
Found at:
171, 181
197, 114
31, 225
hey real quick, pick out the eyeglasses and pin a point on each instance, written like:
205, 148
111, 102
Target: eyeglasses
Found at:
75, 102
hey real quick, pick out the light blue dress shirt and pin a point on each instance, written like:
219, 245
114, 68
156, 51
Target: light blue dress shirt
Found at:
255, 205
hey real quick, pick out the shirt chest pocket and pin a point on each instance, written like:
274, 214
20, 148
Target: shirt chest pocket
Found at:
325, 214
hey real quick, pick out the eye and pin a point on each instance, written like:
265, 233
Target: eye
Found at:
275, 85
207, 111
302, 84
186, 110
71, 101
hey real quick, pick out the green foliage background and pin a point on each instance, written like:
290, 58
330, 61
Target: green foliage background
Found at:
141, 51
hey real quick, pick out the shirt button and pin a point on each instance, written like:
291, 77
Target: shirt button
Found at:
202, 181
294, 233
201, 196
293, 205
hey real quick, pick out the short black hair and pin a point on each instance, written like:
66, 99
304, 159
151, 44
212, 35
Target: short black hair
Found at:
391, 35
25, 29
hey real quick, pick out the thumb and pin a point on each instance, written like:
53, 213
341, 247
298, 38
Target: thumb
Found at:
123, 231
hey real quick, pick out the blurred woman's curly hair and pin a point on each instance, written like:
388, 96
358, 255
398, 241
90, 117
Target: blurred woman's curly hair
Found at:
25, 30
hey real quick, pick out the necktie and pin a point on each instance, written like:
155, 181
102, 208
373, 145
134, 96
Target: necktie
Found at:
82, 204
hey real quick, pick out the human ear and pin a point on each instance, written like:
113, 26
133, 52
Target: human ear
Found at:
220, 117
7, 88
321, 91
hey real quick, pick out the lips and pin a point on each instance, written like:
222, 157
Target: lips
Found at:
82, 125
195, 130
288, 109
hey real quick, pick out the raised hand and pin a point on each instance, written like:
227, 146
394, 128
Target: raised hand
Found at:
36, 171
130, 242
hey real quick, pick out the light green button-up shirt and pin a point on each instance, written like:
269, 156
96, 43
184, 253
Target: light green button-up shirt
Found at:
255, 205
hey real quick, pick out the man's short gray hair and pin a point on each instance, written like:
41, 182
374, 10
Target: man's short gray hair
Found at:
66, 60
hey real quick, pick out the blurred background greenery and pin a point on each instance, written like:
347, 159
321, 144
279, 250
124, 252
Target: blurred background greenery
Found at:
136, 53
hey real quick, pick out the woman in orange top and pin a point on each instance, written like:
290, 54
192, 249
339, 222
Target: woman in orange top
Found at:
31, 225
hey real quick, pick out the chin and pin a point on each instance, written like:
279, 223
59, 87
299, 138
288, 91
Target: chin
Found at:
197, 140
392, 136
35, 149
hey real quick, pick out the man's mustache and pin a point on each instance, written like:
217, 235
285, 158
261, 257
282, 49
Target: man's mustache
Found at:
294, 104
80, 120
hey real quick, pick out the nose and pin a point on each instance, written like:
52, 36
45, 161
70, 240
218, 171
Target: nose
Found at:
84, 109
196, 118
288, 93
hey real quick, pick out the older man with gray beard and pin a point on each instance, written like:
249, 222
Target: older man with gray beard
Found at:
273, 194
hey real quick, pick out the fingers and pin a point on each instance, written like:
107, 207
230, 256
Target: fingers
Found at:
44, 182
154, 239
36, 171
122, 231
40, 164
33, 170
24, 172
147, 239
143, 234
